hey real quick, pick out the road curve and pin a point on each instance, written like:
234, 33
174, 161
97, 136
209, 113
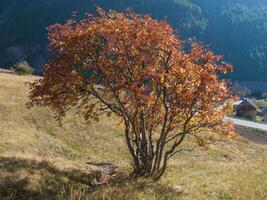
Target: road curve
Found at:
246, 123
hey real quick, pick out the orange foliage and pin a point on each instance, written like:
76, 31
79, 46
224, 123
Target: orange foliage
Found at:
137, 68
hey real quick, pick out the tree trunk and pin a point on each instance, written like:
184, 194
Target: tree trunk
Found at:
144, 162
149, 160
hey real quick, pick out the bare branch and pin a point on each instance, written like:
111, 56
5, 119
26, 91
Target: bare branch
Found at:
179, 150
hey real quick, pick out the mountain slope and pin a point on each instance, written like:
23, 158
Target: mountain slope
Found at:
236, 29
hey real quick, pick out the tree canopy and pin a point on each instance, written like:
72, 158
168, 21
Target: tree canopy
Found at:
135, 68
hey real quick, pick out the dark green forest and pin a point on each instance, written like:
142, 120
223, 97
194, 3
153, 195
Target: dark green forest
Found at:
235, 28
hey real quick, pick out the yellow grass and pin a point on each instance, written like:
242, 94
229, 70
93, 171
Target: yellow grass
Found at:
40, 160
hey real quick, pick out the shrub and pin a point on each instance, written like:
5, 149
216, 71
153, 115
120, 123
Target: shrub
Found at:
136, 68
23, 68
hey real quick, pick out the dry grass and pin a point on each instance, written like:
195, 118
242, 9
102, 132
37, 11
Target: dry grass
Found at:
40, 160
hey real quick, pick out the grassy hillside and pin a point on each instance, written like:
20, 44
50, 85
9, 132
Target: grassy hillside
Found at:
40, 160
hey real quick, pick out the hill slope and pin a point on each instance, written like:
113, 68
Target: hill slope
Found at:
236, 29
40, 160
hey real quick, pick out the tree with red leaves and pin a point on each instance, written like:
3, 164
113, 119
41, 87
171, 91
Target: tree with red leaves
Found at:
136, 68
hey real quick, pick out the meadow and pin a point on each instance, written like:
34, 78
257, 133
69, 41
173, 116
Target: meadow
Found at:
41, 160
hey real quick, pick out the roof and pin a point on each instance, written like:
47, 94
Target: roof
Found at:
248, 103
237, 102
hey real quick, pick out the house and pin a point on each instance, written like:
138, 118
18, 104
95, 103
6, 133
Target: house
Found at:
265, 117
264, 114
247, 109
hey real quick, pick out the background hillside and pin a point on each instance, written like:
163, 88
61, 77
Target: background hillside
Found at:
40, 160
234, 28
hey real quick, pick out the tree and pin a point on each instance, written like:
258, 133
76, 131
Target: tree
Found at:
23, 68
135, 68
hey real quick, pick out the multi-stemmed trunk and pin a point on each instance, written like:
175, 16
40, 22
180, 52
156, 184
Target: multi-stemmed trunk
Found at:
148, 154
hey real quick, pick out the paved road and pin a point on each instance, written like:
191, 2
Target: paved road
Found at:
246, 123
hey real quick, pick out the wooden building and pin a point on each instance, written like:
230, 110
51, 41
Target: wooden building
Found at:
247, 109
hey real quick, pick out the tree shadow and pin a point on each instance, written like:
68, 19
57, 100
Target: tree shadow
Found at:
25, 179
135, 189
30, 179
